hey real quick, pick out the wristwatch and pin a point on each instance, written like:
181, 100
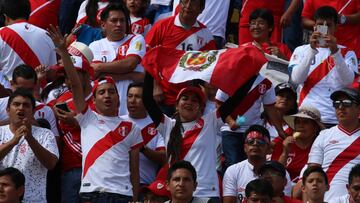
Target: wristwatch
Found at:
342, 19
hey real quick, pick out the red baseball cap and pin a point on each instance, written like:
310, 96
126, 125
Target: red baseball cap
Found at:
158, 188
195, 90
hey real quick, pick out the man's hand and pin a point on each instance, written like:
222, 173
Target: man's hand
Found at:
274, 50
58, 39
285, 19
64, 116
288, 141
330, 41
314, 39
19, 133
41, 72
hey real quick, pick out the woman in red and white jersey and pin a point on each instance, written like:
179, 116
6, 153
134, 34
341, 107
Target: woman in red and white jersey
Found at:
190, 135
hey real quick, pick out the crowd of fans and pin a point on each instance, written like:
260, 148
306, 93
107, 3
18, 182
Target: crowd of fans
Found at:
81, 120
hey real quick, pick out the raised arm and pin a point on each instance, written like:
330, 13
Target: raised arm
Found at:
149, 102
75, 83
231, 103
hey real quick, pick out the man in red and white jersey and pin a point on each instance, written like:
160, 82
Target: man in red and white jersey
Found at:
153, 152
25, 77
118, 54
262, 93
22, 42
182, 32
322, 66
337, 149
348, 30
237, 176
109, 144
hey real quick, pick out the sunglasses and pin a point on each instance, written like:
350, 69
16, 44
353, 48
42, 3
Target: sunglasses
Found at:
344, 103
253, 141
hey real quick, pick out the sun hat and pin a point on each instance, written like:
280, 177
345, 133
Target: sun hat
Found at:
305, 112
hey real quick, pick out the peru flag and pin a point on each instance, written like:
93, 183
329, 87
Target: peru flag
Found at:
226, 69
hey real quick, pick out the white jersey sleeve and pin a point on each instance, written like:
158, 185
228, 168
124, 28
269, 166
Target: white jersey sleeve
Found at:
316, 155
137, 46
86, 117
230, 182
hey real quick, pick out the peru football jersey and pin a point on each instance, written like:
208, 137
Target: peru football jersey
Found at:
337, 151
152, 140
261, 93
323, 77
140, 26
347, 34
107, 51
23, 43
199, 148
106, 142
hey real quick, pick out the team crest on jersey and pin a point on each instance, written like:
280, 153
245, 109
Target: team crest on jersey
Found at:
136, 28
198, 61
262, 88
123, 49
123, 130
151, 131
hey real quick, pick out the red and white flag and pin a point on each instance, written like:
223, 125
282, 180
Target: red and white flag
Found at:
226, 69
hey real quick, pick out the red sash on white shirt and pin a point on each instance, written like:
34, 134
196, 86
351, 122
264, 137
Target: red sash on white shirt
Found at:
109, 140
148, 133
317, 75
187, 141
251, 97
350, 153
121, 53
22, 49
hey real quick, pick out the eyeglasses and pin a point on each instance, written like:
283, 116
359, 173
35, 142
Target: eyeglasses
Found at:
344, 103
255, 142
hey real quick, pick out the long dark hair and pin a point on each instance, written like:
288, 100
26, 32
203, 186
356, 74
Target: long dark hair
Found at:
175, 141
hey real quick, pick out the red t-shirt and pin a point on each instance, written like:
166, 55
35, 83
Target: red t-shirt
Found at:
44, 13
297, 157
277, 8
347, 35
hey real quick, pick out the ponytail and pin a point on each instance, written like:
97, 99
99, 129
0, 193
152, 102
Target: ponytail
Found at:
175, 141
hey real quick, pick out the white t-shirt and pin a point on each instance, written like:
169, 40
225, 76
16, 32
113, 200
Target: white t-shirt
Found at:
326, 147
202, 153
214, 16
148, 168
23, 158
237, 176
341, 199
107, 51
105, 143
265, 92
340, 75
41, 111
24, 43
